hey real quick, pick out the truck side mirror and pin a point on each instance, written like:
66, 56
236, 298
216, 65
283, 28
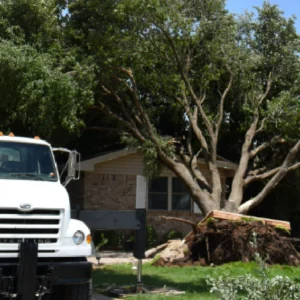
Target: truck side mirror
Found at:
73, 166
71, 169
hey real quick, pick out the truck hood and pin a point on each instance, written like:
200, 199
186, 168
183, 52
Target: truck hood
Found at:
38, 194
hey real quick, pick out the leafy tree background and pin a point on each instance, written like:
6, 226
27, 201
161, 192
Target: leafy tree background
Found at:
42, 86
53, 68
156, 50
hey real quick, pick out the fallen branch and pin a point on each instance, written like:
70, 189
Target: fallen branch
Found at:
194, 226
153, 251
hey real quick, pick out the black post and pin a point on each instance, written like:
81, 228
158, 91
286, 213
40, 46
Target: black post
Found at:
140, 240
27, 280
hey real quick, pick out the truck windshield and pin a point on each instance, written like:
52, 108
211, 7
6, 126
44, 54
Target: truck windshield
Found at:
26, 162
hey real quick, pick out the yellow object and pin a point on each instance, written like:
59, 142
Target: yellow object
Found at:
89, 239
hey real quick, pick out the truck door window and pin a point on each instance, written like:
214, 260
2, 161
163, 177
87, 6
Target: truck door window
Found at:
26, 161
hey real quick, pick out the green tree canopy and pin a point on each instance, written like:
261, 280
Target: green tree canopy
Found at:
184, 77
42, 86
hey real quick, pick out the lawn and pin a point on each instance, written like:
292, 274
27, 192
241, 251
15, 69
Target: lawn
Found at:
188, 279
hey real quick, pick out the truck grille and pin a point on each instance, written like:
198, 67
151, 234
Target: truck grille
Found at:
40, 225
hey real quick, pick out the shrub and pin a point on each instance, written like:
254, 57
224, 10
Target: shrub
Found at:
255, 288
151, 236
252, 288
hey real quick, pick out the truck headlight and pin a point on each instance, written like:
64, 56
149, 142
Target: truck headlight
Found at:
78, 237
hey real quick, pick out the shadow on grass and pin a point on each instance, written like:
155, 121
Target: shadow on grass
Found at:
191, 280
107, 275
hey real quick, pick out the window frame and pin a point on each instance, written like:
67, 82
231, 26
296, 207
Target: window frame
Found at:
169, 197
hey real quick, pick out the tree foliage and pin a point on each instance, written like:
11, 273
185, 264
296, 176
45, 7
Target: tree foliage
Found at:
180, 80
42, 85
214, 78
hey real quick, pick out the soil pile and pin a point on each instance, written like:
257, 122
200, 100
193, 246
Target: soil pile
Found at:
221, 241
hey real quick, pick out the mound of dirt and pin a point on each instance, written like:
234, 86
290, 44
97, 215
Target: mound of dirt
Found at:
222, 241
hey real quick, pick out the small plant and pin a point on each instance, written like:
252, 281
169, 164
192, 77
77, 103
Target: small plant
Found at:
102, 240
255, 288
111, 238
173, 235
131, 238
151, 236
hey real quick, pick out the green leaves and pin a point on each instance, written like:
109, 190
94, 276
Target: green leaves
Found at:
35, 92
283, 115
42, 85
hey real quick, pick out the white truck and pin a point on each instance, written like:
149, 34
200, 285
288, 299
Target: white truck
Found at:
42, 250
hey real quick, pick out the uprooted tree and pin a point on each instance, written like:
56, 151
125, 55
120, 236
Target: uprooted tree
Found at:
193, 65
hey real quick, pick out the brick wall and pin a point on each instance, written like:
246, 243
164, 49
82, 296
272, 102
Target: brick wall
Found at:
118, 192
111, 192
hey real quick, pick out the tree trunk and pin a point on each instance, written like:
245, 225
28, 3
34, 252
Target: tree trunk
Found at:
201, 197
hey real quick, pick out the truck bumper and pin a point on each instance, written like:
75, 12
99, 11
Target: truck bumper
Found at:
66, 273
46, 274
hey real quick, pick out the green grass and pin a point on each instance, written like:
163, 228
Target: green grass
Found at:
188, 279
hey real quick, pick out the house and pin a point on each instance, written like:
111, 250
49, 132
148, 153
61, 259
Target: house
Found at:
114, 181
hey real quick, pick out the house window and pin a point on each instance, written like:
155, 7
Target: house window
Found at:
181, 199
158, 194
168, 193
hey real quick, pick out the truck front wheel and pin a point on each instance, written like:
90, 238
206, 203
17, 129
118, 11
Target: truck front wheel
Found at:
73, 292
79, 292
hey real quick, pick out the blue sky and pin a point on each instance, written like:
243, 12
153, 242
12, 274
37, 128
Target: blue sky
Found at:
290, 7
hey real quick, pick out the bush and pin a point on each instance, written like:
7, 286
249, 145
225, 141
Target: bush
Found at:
252, 288
151, 236
255, 288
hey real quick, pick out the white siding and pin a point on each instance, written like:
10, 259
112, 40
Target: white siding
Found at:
132, 164
141, 191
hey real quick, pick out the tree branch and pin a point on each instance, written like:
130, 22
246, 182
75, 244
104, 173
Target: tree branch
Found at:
221, 110
265, 95
182, 73
120, 102
268, 174
191, 163
104, 109
261, 128
263, 146
257, 171
143, 114
180, 220
193, 119
277, 177
236, 195
197, 173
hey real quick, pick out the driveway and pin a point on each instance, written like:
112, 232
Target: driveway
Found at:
115, 257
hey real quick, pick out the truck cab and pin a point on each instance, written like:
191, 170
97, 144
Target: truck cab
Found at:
37, 235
